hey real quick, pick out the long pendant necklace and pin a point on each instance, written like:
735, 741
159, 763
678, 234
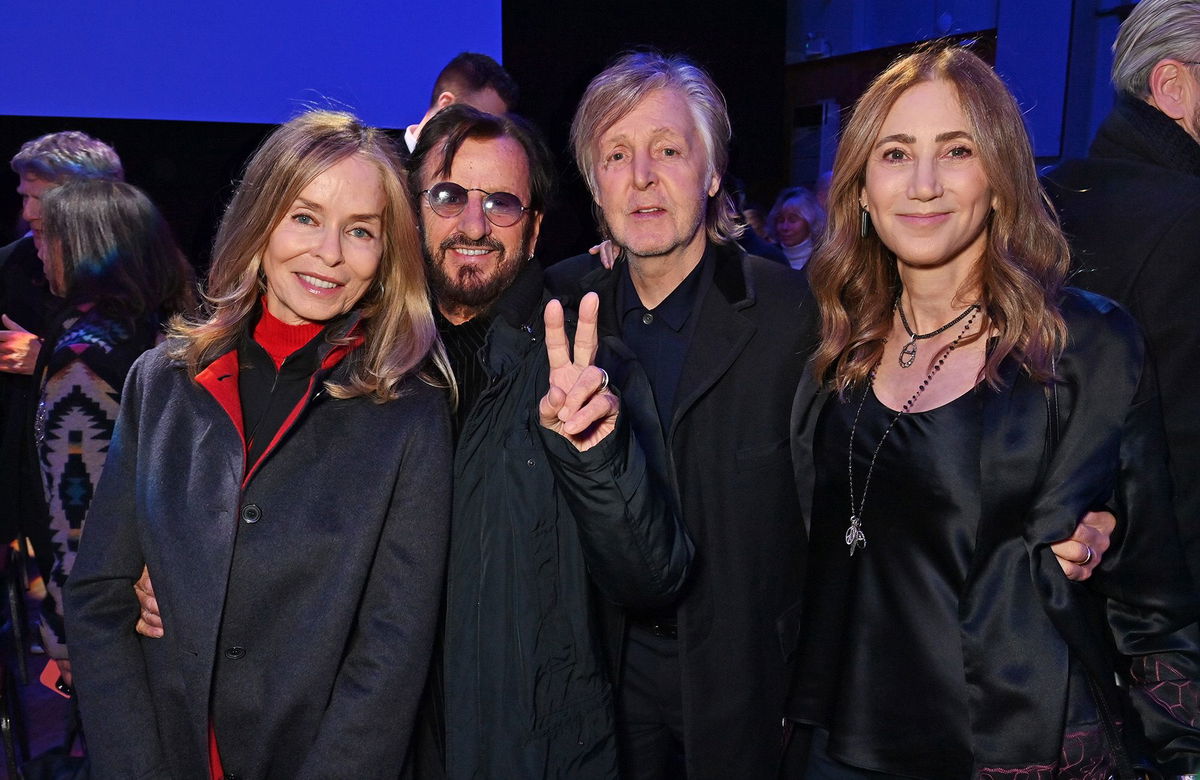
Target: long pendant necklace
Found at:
908, 354
855, 537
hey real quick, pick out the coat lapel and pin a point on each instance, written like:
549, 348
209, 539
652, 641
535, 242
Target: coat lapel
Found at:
721, 331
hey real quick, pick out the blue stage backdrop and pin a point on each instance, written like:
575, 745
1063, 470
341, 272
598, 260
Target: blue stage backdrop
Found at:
235, 60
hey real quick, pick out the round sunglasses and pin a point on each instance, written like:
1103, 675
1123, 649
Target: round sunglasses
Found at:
447, 199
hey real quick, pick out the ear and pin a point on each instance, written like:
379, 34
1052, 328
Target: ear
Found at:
714, 185
443, 100
862, 199
1171, 88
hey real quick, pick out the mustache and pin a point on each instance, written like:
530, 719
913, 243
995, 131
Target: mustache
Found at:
461, 240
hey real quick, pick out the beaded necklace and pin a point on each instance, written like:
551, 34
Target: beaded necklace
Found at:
908, 354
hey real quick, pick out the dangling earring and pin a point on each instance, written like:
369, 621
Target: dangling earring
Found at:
864, 222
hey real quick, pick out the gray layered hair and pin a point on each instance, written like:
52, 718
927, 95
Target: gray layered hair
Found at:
70, 154
618, 89
1155, 30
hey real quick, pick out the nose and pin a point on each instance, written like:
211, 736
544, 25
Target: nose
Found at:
472, 222
926, 182
31, 209
329, 246
643, 171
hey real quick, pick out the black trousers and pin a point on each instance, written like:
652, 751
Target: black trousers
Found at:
650, 708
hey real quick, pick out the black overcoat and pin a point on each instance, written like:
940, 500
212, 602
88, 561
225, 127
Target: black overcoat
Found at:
1131, 211
727, 454
299, 604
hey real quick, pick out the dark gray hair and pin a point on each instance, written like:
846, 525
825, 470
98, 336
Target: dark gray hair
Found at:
1155, 30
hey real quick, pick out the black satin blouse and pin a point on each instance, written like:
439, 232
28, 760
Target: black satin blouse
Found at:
880, 658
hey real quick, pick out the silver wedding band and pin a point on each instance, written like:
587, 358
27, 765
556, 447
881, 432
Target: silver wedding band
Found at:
604, 386
1088, 558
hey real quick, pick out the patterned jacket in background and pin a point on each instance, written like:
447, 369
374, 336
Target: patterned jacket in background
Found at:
80, 395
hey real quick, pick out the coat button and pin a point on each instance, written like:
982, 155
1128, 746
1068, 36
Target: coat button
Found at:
251, 513
235, 653
647, 318
531, 463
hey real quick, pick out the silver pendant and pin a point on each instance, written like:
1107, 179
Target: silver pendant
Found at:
908, 354
854, 535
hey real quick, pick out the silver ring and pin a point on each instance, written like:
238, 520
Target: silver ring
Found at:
1088, 558
603, 381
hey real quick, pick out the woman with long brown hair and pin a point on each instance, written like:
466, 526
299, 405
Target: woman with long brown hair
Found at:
281, 467
963, 410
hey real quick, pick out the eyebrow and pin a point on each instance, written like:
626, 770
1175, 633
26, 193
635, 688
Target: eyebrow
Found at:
308, 204
903, 138
655, 133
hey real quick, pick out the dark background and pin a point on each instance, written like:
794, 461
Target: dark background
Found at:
551, 48
554, 48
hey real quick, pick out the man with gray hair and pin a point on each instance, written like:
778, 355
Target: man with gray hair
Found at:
26, 307
1131, 211
42, 164
721, 338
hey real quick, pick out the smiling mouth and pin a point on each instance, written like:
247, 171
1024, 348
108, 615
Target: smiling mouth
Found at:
649, 210
318, 283
472, 252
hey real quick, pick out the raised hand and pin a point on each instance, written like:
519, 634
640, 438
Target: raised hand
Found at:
578, 404
18, 348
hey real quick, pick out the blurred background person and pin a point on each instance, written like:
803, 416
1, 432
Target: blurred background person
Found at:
110, 257
471, 78
795, 221
1131, 210
281, 465
963, 410
27, 306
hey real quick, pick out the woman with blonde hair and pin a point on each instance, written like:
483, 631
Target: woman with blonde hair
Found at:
963, 410
281, 467
796, 222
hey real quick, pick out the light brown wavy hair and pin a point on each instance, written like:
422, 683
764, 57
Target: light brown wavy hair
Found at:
397, 326
1025, 262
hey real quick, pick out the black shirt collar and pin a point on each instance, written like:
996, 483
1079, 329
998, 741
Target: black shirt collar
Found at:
677, 307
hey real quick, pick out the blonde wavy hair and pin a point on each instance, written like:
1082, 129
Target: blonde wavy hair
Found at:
397, 325
1025, 262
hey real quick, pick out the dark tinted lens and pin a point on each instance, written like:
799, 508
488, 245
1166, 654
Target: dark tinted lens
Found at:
503, 207
447, 198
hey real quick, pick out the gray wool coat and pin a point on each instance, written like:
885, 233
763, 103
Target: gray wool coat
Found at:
299, 602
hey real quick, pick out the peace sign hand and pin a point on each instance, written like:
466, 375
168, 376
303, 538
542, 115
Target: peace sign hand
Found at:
578, 405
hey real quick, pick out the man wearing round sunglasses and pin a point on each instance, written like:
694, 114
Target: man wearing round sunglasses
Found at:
554, 498
556, 506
